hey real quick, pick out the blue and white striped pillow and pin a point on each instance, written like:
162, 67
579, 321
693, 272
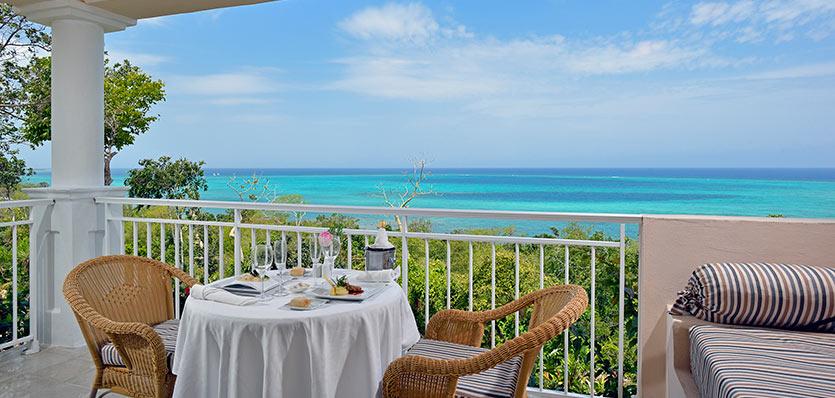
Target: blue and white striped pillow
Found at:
784, 296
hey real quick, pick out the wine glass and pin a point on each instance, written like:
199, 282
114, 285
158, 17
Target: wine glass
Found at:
280, 263
260, 262
280, 254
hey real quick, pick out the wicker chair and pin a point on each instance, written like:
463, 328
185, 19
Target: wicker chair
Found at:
117, 301
455, 333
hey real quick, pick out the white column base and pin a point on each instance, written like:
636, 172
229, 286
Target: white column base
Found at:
68, 233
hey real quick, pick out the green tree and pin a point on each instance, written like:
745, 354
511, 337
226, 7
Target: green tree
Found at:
163, 179
20, 43
129, 95
12, 169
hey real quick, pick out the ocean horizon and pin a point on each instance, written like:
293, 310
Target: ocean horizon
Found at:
790, 192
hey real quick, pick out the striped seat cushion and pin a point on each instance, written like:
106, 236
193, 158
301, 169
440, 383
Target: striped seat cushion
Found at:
783, 296
166, 330
498, 382
731, 362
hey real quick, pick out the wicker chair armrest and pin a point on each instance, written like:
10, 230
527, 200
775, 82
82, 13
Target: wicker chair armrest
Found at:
141, 348
467, 327
183, 276
138, 344
417, 376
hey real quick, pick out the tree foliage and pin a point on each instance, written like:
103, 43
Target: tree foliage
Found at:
129, 95
20, 43
165, 179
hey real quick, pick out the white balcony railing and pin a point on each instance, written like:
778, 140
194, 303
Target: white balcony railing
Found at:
211, 237
18, 268
449, 269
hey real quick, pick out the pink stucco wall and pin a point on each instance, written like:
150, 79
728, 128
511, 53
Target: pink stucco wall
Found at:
672, 246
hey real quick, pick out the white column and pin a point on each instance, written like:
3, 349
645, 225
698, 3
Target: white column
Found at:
77, 103
72, 230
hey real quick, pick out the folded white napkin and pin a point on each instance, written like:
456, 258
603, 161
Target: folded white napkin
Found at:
201, 292
386, 275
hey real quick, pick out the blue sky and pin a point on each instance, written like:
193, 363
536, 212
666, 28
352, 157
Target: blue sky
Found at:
315, 83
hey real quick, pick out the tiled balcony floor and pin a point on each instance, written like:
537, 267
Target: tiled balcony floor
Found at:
54, 372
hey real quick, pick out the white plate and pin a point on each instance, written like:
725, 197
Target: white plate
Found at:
314, 304
370, 290
298, 287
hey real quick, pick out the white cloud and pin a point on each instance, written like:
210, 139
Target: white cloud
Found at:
155, 21
251, 86
411, 23
783, 20
797, 72
718, 13
144, 60
636, 57
224, 84
231, 101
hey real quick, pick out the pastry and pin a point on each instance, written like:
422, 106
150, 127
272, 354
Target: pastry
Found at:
297, 271
248, 278
300, 302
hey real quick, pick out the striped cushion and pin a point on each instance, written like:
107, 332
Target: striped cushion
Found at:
166, 330
730, 362
760, 294
498, 382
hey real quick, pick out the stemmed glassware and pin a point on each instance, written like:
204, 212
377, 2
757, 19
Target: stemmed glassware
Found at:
280, 263
262, 260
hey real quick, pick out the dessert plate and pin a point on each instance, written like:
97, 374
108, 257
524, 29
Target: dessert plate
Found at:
369, 290
314, 304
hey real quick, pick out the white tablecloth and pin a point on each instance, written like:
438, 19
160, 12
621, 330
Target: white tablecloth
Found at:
339, 350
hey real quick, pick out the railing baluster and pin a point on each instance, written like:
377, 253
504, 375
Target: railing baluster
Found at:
162, 242
492, 293
405, 256
205, 255
252, 241
284, 246
148, 241
350, 264
299, 249
541, 286
135, 239
426, 286
516, 289
591, 313
448, 275
221, 260
178, 266
268, 237
191, 250
14, 282
470, 278
621, 304
565, 333
237, 249
106, 245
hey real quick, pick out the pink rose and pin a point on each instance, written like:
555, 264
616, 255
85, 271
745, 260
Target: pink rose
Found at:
325, 239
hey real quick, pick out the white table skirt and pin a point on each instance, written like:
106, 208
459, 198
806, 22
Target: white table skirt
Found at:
339, 350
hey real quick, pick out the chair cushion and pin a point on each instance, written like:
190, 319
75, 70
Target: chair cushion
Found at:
166, 330
785, 296
498, 382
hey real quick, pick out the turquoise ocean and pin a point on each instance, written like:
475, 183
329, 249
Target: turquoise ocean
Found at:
808, 193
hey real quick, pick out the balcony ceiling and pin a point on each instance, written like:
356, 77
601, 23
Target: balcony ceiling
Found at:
138, 9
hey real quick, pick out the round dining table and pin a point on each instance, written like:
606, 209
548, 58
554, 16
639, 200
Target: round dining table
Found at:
340, 349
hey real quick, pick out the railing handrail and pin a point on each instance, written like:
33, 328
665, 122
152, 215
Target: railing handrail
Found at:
389, 211
12, 204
